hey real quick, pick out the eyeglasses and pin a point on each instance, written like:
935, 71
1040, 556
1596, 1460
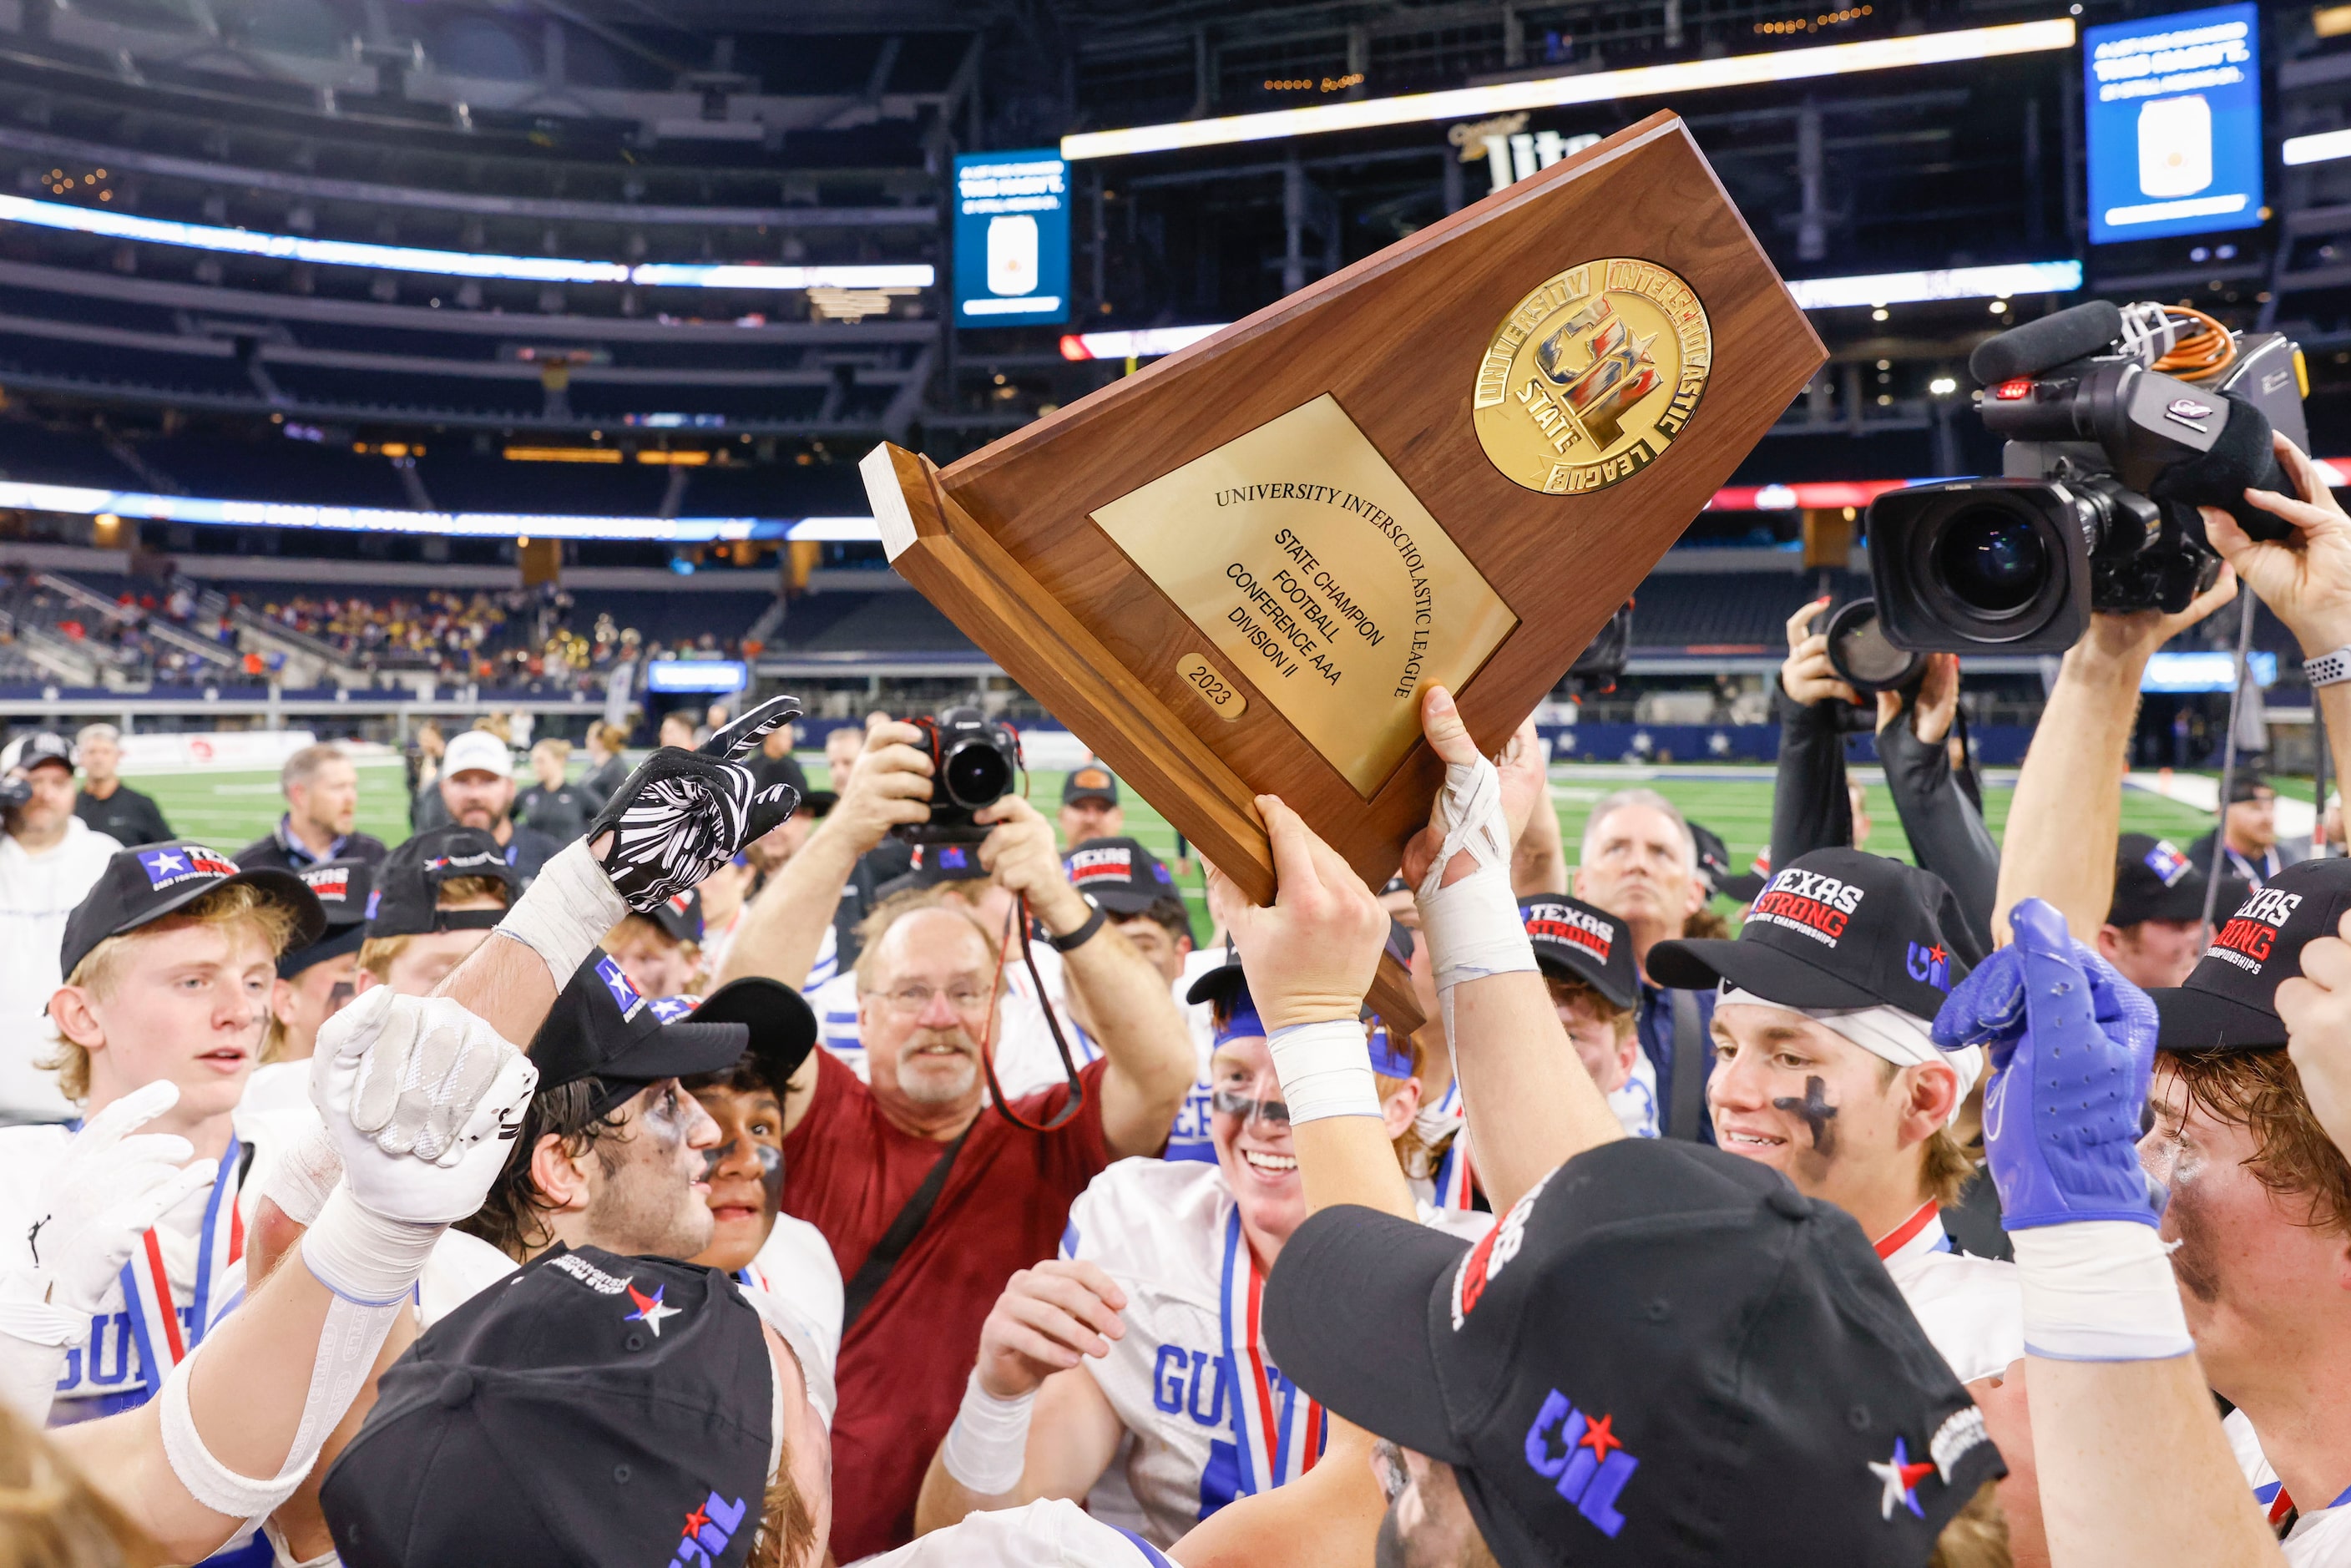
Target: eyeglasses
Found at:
1233, 1104
913, 998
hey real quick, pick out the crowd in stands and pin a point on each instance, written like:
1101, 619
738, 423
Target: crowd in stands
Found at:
859, 1183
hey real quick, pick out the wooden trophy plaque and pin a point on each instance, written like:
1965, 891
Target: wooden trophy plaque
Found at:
1234, 571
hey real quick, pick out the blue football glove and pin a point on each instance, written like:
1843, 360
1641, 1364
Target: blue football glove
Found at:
2072, 1049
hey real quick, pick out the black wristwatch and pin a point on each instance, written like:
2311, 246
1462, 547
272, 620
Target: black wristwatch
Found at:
1082, 935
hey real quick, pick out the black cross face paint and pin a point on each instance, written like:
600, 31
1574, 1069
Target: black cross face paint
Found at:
1817, 1113
771, 1169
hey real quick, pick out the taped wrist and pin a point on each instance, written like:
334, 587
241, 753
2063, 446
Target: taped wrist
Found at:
299, 1184
566, 912
2099, 1290
347, 1343
362, 1257
987, 1448
1472, 927
1325, 1070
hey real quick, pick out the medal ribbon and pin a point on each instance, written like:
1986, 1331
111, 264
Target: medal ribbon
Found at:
147, 1284
1277, 1437
1453, 1177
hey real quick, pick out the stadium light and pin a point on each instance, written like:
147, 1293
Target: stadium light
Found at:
452, 263
1595, 86
1149, 343
2324, 147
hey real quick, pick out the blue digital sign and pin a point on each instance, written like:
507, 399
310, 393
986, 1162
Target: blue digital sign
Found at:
697, 675
2175, 123
2208, 671
1011, 239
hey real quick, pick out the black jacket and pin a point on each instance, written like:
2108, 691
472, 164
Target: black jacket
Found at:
560, 813
127, 817
280, 852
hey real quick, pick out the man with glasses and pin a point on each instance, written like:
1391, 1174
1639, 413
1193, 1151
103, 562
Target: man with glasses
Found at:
930, 1199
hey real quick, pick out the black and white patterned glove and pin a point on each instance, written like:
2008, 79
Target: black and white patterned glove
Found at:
684, 814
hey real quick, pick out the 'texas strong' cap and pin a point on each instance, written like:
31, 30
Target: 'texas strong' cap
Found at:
2228, 1001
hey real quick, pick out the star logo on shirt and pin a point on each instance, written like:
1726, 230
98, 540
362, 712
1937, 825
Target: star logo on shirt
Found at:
1901, 1478
650, 1313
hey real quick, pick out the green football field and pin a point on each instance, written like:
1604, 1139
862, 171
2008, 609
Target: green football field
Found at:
229, 810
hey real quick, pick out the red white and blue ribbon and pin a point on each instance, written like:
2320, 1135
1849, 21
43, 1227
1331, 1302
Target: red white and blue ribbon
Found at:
155, 1323
1278, 1431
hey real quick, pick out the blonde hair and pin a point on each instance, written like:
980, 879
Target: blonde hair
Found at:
555, 747
1945, 1163
379, 954
50, 1517
104, 968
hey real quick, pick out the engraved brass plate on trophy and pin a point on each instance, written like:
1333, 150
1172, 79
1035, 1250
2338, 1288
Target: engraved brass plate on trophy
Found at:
1215, 690
1592, 376
1302, 556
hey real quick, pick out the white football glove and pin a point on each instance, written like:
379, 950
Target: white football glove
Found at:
424, 1100
112, 1185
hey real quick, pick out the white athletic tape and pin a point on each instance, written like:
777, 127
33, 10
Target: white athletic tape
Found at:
362, 1257
1325, 1070
35, 1339
2099, 1290
987, 1448
347, 1343
300, 1183
566, 912
1473, 928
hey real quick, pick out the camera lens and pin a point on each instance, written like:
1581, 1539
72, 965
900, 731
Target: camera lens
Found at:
977, 774
1991, 560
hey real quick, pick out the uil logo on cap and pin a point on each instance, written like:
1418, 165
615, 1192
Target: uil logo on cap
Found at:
1591, 1465
1809, 901
1485, 1263
954, 857
170, 866
2168, 864
707, 1531
375, 897
1929, 965
625, 996
2245, 941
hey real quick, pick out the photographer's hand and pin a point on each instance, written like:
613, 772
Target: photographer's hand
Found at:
1938, 704
1806, 675
1019, 853
2307, 580
889, 785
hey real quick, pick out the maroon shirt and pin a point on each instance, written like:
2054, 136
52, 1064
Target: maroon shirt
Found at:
1006, 1203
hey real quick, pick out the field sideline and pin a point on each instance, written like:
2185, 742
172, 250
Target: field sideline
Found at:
230, 809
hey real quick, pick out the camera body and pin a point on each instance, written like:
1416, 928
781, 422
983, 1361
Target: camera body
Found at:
974, 762
1863, 659
2096, 509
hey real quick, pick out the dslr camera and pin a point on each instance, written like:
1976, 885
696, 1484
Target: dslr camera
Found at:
2120, 421
974, 761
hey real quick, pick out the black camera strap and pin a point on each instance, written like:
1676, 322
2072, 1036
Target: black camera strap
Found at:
1018, 919
867, 1283
2212, 870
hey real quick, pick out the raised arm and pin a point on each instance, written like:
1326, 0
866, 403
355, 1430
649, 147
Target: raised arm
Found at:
1809, 807
1946, 831
2067, 813
1529, 1103
1149, 1050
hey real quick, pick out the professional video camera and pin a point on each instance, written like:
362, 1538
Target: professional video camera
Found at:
974, 761
2121, 423
1602, 662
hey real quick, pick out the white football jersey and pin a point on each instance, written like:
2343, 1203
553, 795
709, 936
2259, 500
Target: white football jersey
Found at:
1158, 1229
796, 1266
1972, 1308
2321, 1538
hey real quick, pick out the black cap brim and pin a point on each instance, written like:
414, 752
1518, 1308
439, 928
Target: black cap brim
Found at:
1217, 984
277, 886
1347, 1314
1746, 887
2190, 1019
781, 1029
1685, 966
1122, 902
679, 1050
1561, 969
338, 941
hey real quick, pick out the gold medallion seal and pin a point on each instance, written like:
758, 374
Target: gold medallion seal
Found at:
1592, 376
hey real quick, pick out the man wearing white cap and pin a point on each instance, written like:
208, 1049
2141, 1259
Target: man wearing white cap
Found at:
477, 786
1825, 1069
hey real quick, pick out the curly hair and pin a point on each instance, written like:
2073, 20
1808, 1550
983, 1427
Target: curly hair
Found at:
512, 1218
2261, 1091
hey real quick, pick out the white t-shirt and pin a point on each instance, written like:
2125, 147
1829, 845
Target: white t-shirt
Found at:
277, 1087
796, 1266
2321, 1538
1158, 1229
1972, 1308
37, 891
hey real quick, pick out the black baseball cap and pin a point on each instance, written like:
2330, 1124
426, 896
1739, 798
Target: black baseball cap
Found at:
1219, 986
818, 802
590, 1409
2228, 1001
2154, 880
602, 1026
408, 883
1092, 782
1663, 1354
1836, 928
2243, 787
1119, 874
1574, 941
152, 880
931, 864
781, 1027
1714, 864
29, 751
680, 916
342, 889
